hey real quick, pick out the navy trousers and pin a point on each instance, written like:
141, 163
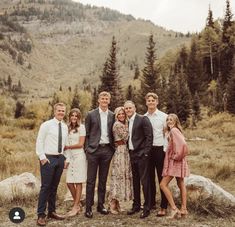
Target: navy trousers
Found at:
50, 179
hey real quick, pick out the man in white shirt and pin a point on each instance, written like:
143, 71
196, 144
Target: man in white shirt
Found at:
157, 154
49, 148
99, 147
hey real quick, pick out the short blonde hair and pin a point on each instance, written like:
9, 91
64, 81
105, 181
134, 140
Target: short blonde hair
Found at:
151, 94
104, 93
129, 102
59, 104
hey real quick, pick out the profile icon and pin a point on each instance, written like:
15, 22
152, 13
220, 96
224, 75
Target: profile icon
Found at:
17, 215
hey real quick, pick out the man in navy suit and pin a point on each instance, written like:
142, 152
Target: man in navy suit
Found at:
140, 144
99, 147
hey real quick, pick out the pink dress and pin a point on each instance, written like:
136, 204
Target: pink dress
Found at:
175, 163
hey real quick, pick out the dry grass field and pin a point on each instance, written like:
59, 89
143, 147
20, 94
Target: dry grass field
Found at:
212, 155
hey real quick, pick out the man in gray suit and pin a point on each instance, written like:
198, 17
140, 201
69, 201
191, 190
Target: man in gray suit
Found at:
99, 147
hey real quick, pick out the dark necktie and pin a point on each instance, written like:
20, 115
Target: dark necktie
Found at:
60, 139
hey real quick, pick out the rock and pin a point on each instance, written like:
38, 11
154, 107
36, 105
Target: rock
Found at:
200, 188
20, 186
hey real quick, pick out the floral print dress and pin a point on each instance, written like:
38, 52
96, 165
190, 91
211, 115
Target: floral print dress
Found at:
121, 187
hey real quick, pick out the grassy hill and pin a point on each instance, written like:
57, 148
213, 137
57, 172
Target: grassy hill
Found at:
63, 42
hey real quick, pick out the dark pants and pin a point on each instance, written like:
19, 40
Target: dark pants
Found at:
50, 178
140, 172
156, 162
100, 159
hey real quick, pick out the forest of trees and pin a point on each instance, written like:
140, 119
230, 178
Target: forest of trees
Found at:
201, 75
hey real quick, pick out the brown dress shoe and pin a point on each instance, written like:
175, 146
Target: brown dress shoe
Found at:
41, 221
56, 216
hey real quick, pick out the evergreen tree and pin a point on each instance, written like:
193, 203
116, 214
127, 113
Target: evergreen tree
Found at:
137, 72
171, 95
110, 80
196, 108
19, 87
227, 23
184, 98
94, 99
231, 92
20, 108
55, 99
209, 20
181, 62
194, 69
9, 83
129, 93
150, 80
60, 88
75, 101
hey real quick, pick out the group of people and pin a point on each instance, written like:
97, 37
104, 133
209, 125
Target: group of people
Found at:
136, 146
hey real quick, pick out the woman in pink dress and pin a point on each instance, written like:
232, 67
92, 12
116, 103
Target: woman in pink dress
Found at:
175, 165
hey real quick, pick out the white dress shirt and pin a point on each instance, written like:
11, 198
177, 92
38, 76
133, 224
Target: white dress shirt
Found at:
47, 139
158, 122
104, 126
131, 121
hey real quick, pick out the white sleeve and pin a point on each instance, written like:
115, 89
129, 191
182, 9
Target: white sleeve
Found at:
41, 140
82, 130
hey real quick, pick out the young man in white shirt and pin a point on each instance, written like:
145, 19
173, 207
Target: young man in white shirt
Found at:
49, 148
157, 155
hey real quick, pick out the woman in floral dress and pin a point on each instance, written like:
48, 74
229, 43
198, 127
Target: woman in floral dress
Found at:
121, 188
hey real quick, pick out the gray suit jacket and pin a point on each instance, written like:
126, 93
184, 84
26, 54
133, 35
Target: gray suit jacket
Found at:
93, 130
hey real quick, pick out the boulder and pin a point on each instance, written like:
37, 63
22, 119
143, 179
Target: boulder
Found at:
200, 188
20, 186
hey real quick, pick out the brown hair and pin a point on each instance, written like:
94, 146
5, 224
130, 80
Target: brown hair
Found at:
104, 93
116, 112
77, 125
151, 94
177, 121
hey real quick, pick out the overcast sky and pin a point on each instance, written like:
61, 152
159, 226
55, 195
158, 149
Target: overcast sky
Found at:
179, 15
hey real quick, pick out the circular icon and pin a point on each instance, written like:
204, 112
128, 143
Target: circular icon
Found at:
17, 215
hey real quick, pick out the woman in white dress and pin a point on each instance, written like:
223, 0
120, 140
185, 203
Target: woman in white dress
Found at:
76, 162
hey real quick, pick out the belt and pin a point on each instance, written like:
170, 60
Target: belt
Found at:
120, 142
53, 155
104, 144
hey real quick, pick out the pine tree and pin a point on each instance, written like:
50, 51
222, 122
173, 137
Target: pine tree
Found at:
137, 72
19, 87
55, 99
196, 108
209, 20
9, 83
94, 99
150, 80
181, 62
230, 94
75, 102
227, 23
129, 93
110, 80
184, 98
194, 69
20, 108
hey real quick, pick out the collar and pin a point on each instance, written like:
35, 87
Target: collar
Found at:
132, 117
57, 121
154, 113
101, 111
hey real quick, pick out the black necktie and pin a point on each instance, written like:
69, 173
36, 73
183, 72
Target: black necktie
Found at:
60, 139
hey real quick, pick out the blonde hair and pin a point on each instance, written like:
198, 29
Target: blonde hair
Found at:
129, 102
58, 104
79, 116
104, 93
117, 110
151, 94
177, 121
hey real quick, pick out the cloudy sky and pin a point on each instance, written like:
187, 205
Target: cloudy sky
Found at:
179, 15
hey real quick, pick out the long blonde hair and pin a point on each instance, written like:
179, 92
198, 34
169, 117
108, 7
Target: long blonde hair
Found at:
177, 121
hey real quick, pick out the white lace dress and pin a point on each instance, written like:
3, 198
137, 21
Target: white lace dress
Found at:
77, 169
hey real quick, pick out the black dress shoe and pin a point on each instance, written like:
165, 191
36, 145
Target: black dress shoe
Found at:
133, 211
145, 214
102, 210
88, 213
